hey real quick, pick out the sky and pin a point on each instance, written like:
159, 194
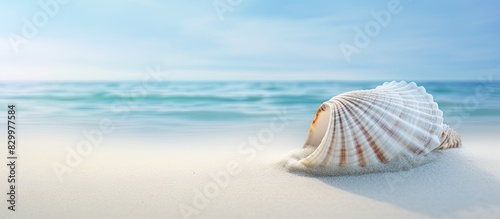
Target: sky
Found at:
249, 39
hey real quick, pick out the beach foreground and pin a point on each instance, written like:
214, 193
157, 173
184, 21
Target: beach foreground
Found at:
116, 182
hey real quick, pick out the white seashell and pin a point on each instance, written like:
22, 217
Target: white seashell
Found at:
394, 125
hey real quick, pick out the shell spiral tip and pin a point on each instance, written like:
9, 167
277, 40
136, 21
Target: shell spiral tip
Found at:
449, 138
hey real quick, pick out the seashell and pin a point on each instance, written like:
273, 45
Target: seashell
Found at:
449, 139
393, 126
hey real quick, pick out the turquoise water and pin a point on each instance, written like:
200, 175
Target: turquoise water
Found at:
206, 107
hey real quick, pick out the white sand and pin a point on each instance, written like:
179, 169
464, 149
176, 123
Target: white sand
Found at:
113, 182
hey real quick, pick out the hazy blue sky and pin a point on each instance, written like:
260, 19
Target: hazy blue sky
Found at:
258, 39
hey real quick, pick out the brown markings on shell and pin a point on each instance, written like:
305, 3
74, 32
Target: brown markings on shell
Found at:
380, 155
428, 114
342, 149
411, 148
359, 151
429, 138
329, 152
425, 139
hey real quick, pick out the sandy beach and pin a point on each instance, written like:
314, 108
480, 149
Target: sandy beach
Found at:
119, 182
226, 109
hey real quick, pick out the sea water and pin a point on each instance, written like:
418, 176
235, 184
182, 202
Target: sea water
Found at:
180, 107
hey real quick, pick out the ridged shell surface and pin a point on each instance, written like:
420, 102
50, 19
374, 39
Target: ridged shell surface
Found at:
364, 130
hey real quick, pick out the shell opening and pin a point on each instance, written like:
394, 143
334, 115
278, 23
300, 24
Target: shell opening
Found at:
319, 126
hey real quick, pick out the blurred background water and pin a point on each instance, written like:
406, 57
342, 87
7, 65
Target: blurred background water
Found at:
186, 108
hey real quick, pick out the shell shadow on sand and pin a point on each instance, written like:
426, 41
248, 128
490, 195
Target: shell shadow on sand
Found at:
444, 187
